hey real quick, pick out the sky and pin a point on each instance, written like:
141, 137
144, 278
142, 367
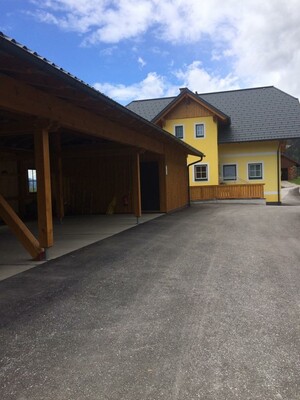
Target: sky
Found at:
138, 49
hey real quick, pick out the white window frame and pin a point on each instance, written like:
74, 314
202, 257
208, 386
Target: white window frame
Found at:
195, 132
207, 172
236, 173
182, 131
262, 171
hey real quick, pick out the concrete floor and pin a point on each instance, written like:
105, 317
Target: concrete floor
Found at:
72, 234
200, 304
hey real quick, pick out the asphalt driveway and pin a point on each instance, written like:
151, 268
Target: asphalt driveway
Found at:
201, 304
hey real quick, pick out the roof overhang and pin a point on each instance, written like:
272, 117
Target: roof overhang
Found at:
21, 64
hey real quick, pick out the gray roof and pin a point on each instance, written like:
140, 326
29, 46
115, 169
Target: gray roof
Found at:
150, 108
264, 113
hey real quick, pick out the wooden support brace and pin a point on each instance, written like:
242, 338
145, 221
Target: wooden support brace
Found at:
23, 234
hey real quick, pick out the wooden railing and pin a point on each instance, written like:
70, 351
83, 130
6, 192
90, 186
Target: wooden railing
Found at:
222, 192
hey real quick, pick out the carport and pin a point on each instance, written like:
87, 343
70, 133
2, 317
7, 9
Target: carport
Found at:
66, 149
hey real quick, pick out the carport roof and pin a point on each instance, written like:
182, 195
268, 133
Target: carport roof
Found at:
19, 62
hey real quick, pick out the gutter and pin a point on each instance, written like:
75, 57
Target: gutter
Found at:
278, 174
188, 173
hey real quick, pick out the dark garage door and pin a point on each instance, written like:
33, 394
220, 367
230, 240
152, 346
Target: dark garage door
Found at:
150, 186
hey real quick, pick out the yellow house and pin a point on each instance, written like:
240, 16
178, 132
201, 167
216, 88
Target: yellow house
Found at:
241, 133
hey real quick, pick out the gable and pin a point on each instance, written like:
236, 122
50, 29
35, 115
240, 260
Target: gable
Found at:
184, 100
188, 108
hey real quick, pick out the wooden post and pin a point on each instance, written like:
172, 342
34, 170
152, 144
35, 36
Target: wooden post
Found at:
136, 183
42, 161
57, 161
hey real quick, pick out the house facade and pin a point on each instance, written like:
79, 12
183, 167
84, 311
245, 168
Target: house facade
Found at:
241, 133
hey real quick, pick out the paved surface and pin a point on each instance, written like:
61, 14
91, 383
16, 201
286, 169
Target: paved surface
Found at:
72, 234
201, 304
290, 195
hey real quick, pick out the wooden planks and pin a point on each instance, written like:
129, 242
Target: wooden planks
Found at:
91, 182
57, 167
188, 109
176, 175
222, 192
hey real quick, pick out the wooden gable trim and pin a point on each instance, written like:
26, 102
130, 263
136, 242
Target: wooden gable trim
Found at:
188, 108
182, 100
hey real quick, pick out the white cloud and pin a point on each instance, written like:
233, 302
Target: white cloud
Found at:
192, 76
108, 51
141, 62
198, 79
152, 86
258, 39
160, 52
266, 47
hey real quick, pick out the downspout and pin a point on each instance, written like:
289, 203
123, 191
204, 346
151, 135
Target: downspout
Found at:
188, 171
278, 174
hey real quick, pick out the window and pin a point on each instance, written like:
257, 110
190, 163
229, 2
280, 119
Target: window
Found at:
32, 182
229, 172
200, 172
179, 131
255, 171
199, 130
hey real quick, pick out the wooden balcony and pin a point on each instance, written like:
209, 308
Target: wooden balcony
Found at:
227, 192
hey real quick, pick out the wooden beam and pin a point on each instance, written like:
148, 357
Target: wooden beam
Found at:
20, 152
93, 150
136, 186
22, 127
57, 166
42, 162
21, 98
23, 234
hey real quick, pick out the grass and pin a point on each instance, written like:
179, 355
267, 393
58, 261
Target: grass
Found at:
297, 181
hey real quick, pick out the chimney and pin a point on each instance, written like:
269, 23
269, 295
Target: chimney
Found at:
182, 89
